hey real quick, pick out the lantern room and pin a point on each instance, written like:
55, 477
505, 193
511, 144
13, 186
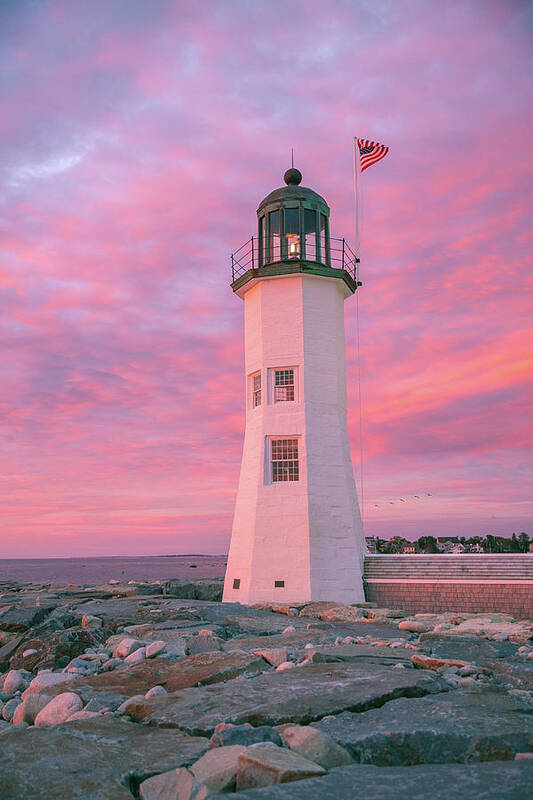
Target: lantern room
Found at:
293, 235
293, 223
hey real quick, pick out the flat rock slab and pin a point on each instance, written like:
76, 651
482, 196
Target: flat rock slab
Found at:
351, 653
204, 668
298, 695
452, 727
472, 649
511, 780
89, 760
293, 641
23, 618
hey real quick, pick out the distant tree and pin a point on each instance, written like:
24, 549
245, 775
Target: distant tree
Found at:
523, 541
490, 544
428, 544
380, 544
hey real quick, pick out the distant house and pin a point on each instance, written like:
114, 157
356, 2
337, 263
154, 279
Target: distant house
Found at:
409, 547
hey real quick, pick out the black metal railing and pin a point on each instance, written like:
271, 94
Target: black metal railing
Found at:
248, 257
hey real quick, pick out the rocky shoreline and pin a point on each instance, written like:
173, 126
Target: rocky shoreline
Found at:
160, 691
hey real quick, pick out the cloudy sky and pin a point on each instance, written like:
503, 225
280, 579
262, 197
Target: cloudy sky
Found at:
137, 138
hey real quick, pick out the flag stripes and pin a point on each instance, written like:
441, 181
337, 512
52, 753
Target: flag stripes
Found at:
370, 153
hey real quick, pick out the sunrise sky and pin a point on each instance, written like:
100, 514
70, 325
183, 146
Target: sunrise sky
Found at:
137, 139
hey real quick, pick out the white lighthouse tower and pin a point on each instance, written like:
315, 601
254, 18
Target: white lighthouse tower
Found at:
297, 534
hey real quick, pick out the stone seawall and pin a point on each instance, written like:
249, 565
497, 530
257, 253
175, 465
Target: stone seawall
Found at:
468, 583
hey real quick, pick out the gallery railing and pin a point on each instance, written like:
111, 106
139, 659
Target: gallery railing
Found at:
249, 257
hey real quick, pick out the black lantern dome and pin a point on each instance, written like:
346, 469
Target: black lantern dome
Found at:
293, 236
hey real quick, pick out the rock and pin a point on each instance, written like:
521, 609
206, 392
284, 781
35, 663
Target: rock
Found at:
81, 666
440, 728
82, 715
244, 735
316, 746
59, 709
414, 625
57, 648
16, 680
127, 646
342, 614
9, 708
130, 704
424, 662
89, 621
199, 590
288, 629
217, 768
22, 618
46, 680
178, 784
467, 648
497, 781
264, 765
205, 668
98, 758
285, 665
155, 648
298, 696
203, 642
156, 691
274, 655
314, 610
10, 647
136, 657
111, 664
357, 653
29, 708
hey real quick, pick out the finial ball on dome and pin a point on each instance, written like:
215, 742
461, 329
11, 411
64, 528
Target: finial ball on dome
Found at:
292, 177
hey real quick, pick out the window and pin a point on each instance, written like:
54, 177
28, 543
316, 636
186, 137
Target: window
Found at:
256, 390
279, 584
275, 236
284, 460
236, 583
283, 385
292, 233
310, 234
324, 239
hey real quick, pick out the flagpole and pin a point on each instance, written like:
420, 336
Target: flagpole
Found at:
356, 196
357, 340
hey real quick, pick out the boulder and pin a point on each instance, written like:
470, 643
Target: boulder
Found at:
156, 691
414, 625
315, 745
126, 646
29, 708
358, 653
217, 768
136, 657
21, 618
102, 756
178, 784
9, 708
155, 648
46, 680
434, 729
267, 764
299, 696
203, 642
16, 680
81, 715
59, 709
274, 655
425, 662
342, 614
497, 781
243, 734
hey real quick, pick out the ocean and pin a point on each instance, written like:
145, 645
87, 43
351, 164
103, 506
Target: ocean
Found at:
95, 571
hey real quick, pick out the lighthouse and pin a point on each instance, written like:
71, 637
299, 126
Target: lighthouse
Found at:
297, 534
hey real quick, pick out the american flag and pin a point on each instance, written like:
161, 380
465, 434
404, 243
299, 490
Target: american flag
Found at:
370, 153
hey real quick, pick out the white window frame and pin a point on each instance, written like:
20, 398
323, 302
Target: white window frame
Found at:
272, 385
269, 467
252, 391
